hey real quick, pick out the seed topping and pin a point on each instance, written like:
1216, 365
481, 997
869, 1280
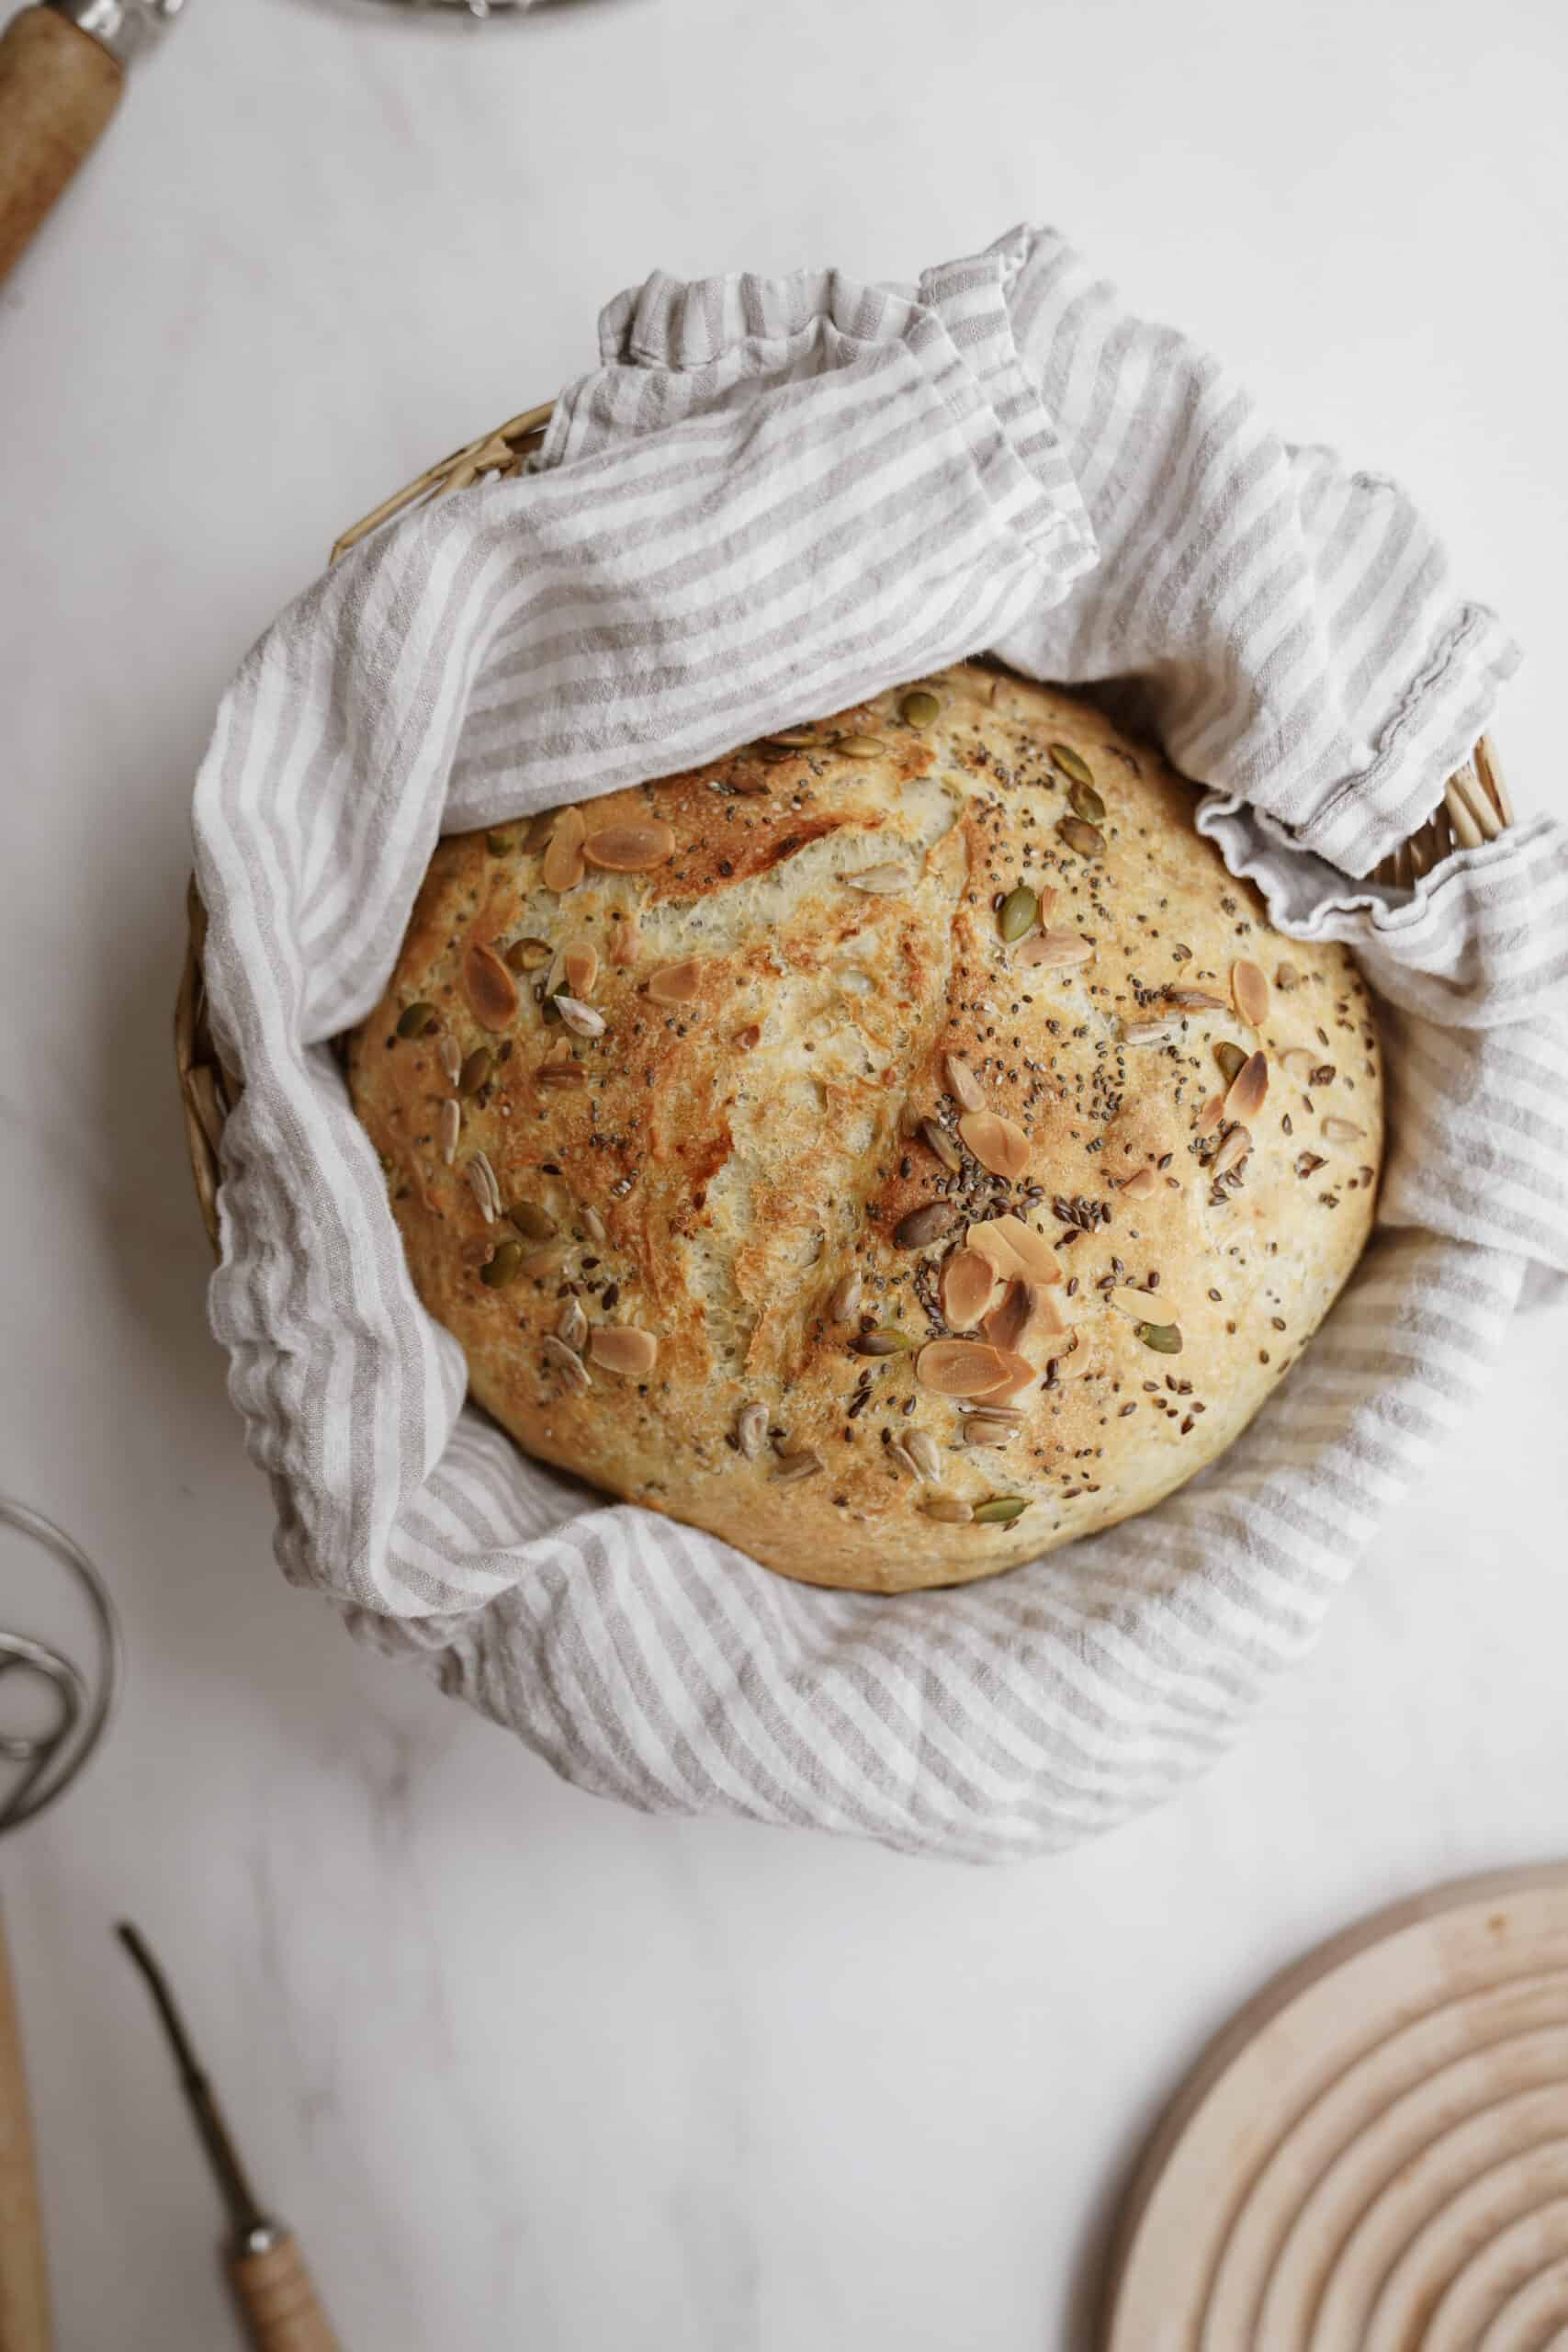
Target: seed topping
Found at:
1088, 839
792, 1466
963, 1084
941, 1145
1128, 1300
580, 968
1001, 1149
752, 1429
1248, 1089
1233, 1150
883, 1341
1020, 1374
965, 1286
503, 1266
982, 1429
562, 869
845, 1299
1025, 1309
925, 1225
620, 1347
527, 955
1249, 989
1056, 951
960, 1368
1195, 1000
566, 1361
1014, 1247
1164, 1339
490, 988
924, 1452
634, 848
674, 983
1019, 913
540, 1263
484, 1188
532, 1223
580, 1018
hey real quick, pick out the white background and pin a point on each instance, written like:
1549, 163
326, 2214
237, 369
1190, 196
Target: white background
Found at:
525, 2069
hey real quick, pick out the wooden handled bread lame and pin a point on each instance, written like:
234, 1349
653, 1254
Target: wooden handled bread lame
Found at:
61, 70
278, 2301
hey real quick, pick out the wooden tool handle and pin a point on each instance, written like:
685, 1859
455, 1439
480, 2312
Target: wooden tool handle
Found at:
278, 2301
57, 88
24, 2285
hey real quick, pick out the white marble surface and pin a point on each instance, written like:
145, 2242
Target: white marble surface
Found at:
525, 2069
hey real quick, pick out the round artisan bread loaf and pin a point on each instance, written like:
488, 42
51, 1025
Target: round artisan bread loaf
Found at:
897, 1147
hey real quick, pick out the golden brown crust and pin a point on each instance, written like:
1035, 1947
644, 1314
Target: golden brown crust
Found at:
731, 1165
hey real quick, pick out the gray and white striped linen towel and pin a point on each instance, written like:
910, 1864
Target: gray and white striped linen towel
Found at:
771, 498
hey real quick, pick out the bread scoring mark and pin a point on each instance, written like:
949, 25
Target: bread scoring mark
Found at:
725, 856
815, 1087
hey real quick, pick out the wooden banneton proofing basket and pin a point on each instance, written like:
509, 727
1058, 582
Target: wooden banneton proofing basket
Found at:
1475, 809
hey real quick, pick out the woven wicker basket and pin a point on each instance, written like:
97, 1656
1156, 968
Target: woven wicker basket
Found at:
1475, 809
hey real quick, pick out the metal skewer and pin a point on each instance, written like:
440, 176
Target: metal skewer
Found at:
276, 2299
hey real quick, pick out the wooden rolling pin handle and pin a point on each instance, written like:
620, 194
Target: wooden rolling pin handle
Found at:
23, 2286
57, 88
278, 2301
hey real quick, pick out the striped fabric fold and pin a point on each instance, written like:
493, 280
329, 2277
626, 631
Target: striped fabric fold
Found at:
772, 497
1289, 631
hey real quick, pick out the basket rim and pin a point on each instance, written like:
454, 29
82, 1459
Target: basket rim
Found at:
1475, 809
